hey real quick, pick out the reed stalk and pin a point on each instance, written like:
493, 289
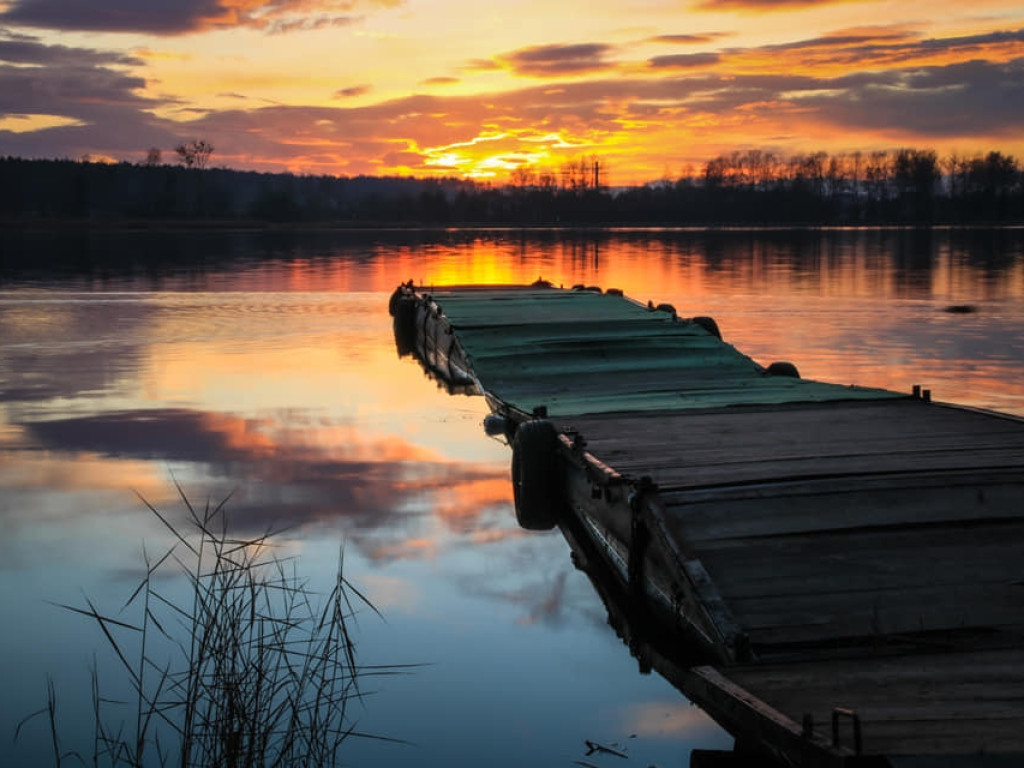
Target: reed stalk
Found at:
255, 669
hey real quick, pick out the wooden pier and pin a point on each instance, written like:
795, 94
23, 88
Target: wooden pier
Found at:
834, 573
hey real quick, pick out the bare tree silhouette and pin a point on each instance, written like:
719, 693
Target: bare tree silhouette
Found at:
195, 153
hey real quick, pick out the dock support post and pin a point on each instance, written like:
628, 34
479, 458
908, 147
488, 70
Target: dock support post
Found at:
639, 536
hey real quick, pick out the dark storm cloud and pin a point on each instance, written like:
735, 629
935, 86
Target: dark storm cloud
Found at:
26, 49
175, 17
60, 80
890, 47
557, 60
938, 101
161, 17
110, 118
83, 93
934, 101
975, 41
89, 87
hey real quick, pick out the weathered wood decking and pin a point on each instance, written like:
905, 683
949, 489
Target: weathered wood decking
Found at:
831, 549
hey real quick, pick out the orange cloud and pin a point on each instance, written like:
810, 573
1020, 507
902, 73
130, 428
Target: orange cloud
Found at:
640, 120
688, 39
850, 88
764, 6
685, 60
865, 49
441, 81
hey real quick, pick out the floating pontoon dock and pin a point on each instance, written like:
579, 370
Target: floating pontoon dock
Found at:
834, 573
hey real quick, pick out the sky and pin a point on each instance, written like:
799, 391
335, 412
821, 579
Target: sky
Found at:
652, 88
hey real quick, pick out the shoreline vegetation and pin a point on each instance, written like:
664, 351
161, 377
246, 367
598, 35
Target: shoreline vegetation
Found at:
906, 187
247, 666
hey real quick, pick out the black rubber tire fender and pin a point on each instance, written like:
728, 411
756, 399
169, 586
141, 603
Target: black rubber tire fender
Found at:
666, 308
536, 475
708, 324
396, 297
783, 368
405, 325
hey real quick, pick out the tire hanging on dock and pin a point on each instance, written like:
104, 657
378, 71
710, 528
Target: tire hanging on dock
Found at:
405, 325
708, 324
536, 479
406, 289
396, 297
783, 368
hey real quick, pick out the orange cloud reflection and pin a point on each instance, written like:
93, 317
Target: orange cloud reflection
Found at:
669, 719
460, 506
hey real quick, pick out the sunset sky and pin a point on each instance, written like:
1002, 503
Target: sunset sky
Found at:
458, 88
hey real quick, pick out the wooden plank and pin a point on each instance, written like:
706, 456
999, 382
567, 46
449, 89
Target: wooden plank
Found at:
797, 429
824, 453
875, 615
963, 676
692, 450
743, 713
847, 503
813, 588
872, 467
864, 560
862, 427
957, 736
959, 703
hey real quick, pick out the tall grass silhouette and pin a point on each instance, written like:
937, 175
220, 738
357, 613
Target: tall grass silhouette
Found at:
254, 669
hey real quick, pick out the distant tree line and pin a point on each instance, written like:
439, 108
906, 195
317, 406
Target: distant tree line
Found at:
902, 186
905, 186
68, 189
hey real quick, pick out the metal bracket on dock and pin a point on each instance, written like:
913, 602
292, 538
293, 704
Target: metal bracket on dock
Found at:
858, 742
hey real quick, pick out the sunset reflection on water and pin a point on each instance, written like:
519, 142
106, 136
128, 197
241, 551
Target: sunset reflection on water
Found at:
264, 366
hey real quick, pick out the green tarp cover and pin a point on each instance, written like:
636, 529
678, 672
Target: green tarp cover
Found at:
579, 352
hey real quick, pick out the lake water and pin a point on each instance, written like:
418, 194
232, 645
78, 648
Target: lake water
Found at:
264, 364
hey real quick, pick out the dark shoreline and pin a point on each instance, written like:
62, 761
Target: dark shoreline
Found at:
77, 225
62, 194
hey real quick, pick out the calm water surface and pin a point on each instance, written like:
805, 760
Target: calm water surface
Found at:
265, 365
